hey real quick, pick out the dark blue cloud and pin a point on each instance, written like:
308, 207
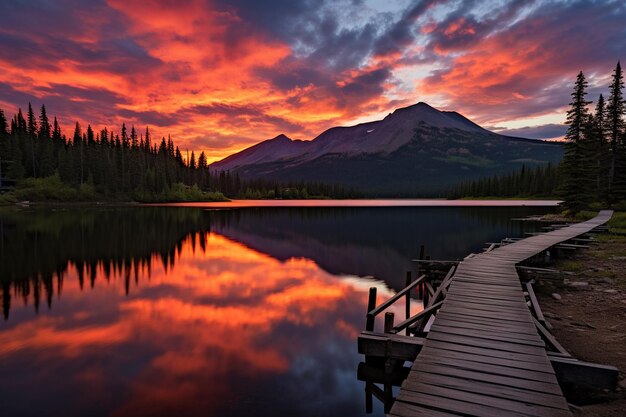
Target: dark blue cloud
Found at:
39, 34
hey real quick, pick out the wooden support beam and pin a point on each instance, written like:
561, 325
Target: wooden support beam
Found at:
584, 375
393, 346
535, 304
376, 374
434, 262
418, 316
534, 270
550, 340
445, 283
571, 246
430, 289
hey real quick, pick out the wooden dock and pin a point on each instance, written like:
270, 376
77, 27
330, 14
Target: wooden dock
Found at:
483, 355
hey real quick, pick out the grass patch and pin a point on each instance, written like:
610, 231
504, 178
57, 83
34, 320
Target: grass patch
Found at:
7, 199
52, 189
179, 193
618, 221
570, 265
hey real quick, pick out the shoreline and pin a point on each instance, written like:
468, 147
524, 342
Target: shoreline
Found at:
243, 203
587, 312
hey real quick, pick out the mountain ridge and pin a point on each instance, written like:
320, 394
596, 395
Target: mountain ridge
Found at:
412, 148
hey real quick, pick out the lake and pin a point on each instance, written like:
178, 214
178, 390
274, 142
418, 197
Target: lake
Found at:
211, 309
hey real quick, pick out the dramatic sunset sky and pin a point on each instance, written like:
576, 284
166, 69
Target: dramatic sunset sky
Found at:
221, 75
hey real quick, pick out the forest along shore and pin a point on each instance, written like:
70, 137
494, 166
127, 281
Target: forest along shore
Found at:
588, 309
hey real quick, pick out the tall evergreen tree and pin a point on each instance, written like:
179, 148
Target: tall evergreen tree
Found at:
578, 113
56, 132
615, 122
44, 124
570, 168
615, 107
32, 122
3, 123
32, 134
602, 161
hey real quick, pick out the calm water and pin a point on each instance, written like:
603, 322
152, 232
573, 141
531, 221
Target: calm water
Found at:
189, 311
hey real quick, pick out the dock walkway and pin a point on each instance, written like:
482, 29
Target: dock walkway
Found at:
483, 355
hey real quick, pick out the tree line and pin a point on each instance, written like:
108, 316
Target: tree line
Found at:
540, 181
593, 169
122, 165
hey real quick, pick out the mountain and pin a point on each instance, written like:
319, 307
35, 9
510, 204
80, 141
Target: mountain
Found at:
416, 150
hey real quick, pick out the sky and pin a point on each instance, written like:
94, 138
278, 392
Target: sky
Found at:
222, 75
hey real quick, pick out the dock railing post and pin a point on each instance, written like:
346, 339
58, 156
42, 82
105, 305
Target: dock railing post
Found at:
408, 299
371, 304
388, 322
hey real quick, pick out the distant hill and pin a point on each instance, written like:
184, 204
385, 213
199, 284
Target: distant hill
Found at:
416, 150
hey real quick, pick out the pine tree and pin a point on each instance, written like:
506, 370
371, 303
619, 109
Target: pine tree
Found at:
615, 123
619, 184
32, 122
147, 141
44, 124
32, 134
56, 132
133, 137
3, 123
570, 169
578, 113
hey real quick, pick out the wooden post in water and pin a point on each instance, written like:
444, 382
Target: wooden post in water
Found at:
369, 398
388, 322
408, 299
371, 304
388, 398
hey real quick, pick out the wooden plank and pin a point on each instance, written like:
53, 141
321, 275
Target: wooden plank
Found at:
484, 352
490, 368
513, 331
494, 345
511, 309
495, 390
507, 406
534, 366
474, 408
466, 299
491, 335
481, 376
450, 316
520, 318
401, 409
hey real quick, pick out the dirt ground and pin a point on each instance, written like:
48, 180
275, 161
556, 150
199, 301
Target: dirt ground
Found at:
589, 319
